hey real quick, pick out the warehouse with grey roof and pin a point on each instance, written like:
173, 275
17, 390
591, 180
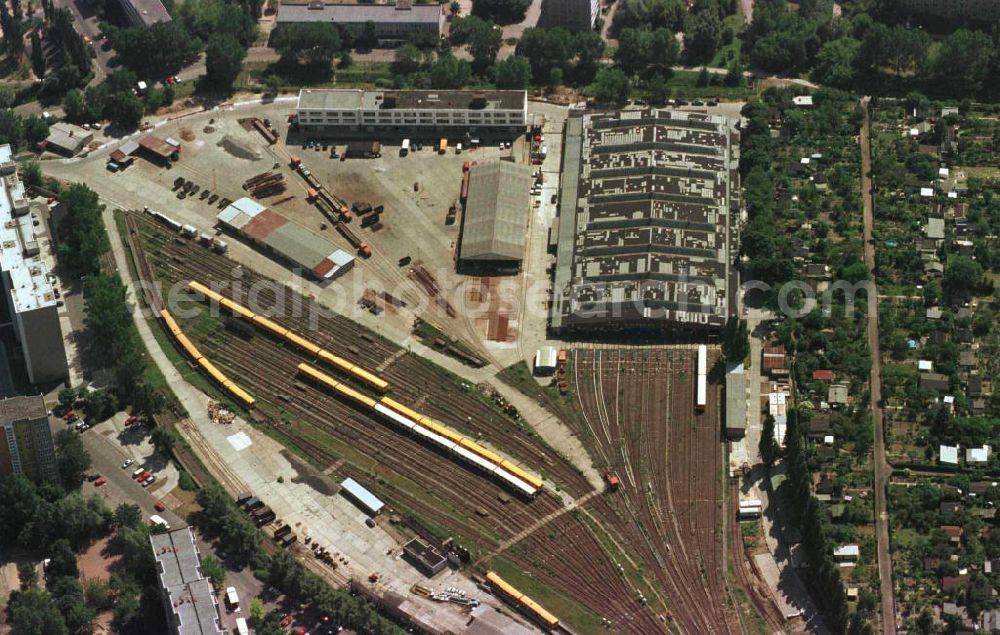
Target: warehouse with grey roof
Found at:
646, 233
391, 22
495, 223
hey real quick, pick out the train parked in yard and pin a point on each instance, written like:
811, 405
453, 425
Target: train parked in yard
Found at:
529, 606
433, 432
192, 351
290, 336
702, 387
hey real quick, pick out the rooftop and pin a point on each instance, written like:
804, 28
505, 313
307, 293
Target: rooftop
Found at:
362, 495
360, 13
68, 137
289, 240
162, 147
30, 286
150, 11
20, 408
190, 594
495, 222
646, 210
354, 99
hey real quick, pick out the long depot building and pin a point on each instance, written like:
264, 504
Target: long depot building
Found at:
647, 222
420, 113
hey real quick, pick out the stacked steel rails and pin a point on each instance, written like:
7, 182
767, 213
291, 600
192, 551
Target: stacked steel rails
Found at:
182, 340
534, 609
434, 432
289, 335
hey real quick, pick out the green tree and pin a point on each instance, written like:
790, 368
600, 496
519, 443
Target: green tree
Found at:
223, 60
961, 277
83, 239
72, 458
125, 110
97, 594
36, 129
484, 39
962, 63
611, 86
514, 72
836, 61
33, 612
450, 72
702, 35
310, 43
501, 11
128, 515
407, 59
273, 84
215, 571
66, 397
37, 55
767, 446
8, 96
735, 340
75, 107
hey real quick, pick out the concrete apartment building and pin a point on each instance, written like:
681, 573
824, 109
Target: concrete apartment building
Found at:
646, 227
27, 283
26, 446
978, 10
187, 594
417, 112
573, 15
144, 12
393, 23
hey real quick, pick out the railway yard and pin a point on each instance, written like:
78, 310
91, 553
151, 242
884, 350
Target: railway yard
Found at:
653, 553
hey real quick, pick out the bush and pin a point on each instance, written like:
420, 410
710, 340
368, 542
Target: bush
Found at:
186, 483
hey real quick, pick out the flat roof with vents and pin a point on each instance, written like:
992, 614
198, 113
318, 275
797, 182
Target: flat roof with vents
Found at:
648, 197
30, 287
187, 592
353, 99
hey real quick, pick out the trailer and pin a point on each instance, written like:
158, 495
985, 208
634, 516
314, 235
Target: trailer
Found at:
288, 540
265, 132
465, 186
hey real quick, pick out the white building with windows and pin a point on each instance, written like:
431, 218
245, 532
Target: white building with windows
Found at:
431, 113
27, 283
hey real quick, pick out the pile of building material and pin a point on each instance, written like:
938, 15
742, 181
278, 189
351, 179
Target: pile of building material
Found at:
218, 414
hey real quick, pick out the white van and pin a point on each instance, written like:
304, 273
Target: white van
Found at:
232, 600
405, 149
159, 520
241, 626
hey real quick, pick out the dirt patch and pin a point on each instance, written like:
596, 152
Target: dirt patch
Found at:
187, 134
239, 149
97, 561
307, 475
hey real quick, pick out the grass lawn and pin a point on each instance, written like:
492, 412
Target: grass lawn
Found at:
576, 615
727, 52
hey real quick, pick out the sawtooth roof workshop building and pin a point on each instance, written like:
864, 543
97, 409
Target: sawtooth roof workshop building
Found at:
393, 23
495, 222
648, 206
419, 112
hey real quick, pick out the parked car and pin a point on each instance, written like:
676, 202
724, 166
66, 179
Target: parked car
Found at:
142, 476
127, 463
149, 480
66, 415
99, 482
138, 471
130, 420
159, 506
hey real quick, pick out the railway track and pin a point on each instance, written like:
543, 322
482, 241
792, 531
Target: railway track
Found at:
414, 478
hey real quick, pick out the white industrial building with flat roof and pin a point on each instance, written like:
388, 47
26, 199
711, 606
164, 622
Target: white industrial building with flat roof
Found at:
324, 111
27, 283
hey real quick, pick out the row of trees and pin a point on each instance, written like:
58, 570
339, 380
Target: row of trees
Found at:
20, 132
221, 519
115, 100
859, 53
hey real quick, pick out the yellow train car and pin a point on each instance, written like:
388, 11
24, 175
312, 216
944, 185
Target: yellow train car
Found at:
536, 609
188, 346
479, 450
302, 343
335, 385
198, 287
240, 394
269, 325
401, 409
444, 431
169, 321
213, 371
370, 378
237, 309
521, 474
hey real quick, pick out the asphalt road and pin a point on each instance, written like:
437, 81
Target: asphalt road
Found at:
882, 468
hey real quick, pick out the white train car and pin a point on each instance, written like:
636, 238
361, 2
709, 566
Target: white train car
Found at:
701, 396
